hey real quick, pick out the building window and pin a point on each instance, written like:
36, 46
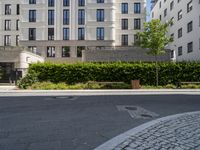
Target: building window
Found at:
17, 24
66, 51
65, 2
165, 12
100, 15
17, 40
124, 8
137, 8
51, 3
50, 17
65, 33
124, 40
50, 33
189, 26
189, 6
32, 34
79, 50
172, 21
18, 9
172, 36
180, 51
33, 49
100, 1
100, 33
136, 38
171, 5
137, 24
179, 14
7, 40
190, 47
66, 17
81, 33
160, 4
8, 9
7, 25
172, 54
81, 16
124, 24
32, 1
32, 15
51, 51
180, 32
81, 2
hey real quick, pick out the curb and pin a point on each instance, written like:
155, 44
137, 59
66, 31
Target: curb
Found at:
98, 92
114, 142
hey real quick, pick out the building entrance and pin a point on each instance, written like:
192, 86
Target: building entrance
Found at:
7, 73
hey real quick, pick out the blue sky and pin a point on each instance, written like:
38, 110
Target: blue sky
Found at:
148, 8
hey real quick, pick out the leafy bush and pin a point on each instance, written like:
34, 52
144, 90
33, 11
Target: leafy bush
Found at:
169, 73
28, 80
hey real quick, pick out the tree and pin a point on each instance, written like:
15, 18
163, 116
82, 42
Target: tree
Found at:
154, 37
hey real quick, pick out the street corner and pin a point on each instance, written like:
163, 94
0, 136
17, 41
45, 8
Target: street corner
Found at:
180, 131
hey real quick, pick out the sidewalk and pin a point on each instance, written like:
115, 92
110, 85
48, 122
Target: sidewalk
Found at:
10, 92
177, 132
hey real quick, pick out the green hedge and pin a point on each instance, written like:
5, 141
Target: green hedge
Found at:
169, 73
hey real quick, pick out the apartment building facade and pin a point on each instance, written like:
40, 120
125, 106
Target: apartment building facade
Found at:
60, 29
185, 28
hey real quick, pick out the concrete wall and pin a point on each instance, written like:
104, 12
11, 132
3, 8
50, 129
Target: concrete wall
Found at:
130, 54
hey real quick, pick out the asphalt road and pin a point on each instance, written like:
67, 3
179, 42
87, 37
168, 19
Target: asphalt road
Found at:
78, 123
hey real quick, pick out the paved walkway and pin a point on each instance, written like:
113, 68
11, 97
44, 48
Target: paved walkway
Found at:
178, 132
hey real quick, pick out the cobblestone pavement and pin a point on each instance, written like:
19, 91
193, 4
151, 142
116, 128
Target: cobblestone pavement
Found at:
182, 133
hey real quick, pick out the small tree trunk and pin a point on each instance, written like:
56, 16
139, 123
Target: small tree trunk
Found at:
156, 71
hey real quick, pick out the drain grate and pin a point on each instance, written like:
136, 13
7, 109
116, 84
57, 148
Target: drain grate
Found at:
137, 112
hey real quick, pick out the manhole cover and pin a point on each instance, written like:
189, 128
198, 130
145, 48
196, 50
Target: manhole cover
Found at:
131, 108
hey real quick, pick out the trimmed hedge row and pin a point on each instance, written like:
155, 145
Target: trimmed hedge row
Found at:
169, 73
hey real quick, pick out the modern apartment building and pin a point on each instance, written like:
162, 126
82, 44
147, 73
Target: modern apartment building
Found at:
185, 28
60, 29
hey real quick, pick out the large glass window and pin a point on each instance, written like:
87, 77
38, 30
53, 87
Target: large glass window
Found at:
50, 17
7, 40
124, 24
190, 47
124, 40
189, 26
8, 9
100, 33
180, 51
189, 6
32, 34
32, 15
81, 2
100, 1
137, 24
179, 14
81, 33
51, 51
65, 2
81, 16
7, 25
66, 16
124, 8
100, 15
65, 33
32, 1
51, 3
137, 8
66, 51
50, 33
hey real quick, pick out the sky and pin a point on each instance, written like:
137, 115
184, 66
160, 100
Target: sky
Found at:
148, 9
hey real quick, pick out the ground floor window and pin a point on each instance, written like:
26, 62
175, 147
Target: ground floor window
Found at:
51, 51
79, 50
66, 51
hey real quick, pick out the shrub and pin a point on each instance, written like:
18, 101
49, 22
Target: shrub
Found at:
169, 73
